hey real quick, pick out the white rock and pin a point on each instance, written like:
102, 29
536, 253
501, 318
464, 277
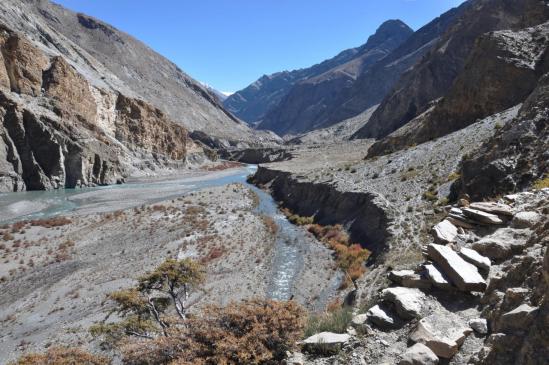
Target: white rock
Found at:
443, 333
359, 320
494, 208
409, 279
419, 354
481, 216
327, 338
525, 220
479, 325
462, 274
445, 232
475, 258
408, 301
437, 278
380, 317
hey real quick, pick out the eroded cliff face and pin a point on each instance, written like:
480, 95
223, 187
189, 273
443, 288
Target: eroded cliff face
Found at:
366, 215
57, 130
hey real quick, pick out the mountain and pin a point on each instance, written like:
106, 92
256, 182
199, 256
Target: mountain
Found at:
452, 70
253, 103
302, 108
112, 59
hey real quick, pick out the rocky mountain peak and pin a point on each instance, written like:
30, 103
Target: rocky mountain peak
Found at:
388, 29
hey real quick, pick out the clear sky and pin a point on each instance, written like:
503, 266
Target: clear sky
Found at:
230, 43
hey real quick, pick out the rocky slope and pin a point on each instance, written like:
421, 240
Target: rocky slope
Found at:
58, 130
113, 60
440, 70
255, 102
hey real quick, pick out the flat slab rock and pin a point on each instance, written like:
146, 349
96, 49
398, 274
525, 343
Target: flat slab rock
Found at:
482, 217
409, 279
408, 301
419, 354
493, 208
473, 257
443, 333
519, 318
445, 232
438, 279
462, 274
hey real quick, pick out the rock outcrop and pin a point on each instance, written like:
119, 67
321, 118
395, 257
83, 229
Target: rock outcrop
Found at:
516, 156
115, 61
57, 130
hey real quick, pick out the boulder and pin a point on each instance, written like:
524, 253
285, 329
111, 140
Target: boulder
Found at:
473, 257
443, 333
482, 217
407, 301
525, 220
437, 278
326, 340
502, 244
479, 325
380, 317
519, 318
359, 322
493, 208
419, 354
462, 274
445, 232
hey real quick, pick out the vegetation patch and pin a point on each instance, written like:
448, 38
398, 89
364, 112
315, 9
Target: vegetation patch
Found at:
542, 183
249, 332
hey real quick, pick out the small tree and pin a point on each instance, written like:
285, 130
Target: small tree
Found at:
175, 279
143, 307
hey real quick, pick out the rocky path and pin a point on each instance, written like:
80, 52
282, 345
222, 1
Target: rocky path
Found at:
479, 297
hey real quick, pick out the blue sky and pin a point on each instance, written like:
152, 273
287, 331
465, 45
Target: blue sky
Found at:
230, 43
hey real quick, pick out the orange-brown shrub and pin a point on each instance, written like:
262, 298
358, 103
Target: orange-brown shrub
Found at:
62, 356
350, 257
271, 225
249, 332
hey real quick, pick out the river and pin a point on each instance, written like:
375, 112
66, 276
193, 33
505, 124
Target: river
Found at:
288, 255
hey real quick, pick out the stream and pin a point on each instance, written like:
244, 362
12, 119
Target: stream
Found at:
288, 255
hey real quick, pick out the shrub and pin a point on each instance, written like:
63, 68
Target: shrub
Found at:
250, 332
269, 222
62, 356
350, 257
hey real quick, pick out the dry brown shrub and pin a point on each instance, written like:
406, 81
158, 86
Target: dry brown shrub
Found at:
271, 225
249, 332
62, 356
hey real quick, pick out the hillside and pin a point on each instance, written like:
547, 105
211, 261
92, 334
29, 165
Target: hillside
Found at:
112, 59
290, 92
